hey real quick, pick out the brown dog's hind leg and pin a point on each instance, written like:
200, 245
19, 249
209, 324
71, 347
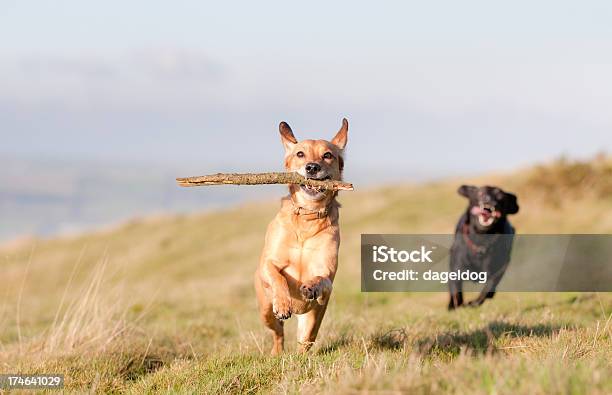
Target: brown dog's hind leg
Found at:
268, 318
308, 327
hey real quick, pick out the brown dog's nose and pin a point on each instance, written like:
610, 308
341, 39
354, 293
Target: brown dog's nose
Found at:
312, 168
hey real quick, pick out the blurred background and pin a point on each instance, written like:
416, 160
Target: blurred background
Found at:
103, 105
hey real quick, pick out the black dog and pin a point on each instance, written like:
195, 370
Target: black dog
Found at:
478, 244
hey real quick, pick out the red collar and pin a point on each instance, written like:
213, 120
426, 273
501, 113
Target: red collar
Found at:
475, 248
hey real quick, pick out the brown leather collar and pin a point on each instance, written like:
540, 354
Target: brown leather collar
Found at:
309, 214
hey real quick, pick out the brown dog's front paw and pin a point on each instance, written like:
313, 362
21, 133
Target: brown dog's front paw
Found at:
319, 289
310, 292
282, 308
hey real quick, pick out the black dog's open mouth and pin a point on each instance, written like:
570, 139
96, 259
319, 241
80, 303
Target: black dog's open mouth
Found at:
486, 214
314, 191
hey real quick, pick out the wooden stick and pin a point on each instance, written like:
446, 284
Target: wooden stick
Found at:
262, 178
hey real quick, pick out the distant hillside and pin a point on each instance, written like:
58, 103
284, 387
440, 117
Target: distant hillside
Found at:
46, 197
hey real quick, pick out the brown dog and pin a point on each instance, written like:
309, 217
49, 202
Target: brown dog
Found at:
300, 256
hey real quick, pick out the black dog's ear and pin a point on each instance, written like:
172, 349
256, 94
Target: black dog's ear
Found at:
510, 203
469, 191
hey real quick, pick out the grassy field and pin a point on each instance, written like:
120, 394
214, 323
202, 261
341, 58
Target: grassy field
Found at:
166, 304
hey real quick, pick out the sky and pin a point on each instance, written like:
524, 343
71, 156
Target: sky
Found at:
429, 88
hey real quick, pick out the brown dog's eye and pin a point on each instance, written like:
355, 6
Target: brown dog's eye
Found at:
300, 154
327, 155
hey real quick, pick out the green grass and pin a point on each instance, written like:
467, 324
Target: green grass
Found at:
167, 305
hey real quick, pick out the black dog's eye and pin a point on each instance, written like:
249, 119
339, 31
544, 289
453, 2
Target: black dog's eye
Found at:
300, 154
327, 155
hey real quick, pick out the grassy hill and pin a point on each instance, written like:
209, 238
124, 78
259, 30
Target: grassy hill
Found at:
166, 303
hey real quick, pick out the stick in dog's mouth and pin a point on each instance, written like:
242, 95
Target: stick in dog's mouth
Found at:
263, 178
315, 190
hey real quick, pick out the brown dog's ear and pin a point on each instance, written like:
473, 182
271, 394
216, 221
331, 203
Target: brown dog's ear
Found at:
341, 137
287, 137
468, 191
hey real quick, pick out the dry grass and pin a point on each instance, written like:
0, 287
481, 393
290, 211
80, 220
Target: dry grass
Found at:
572, 178
166, 305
